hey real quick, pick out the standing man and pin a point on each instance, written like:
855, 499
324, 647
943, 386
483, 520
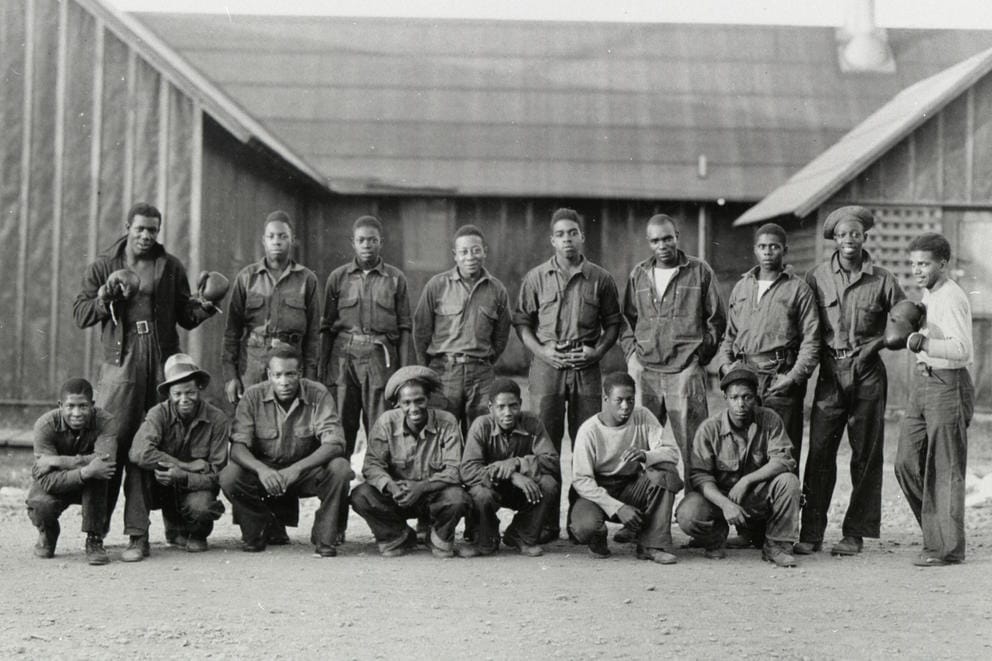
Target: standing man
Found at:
774, 327
137, 327
675, 320
933, 444
286, 444
364, 330
274, 302
624, 470
509, 461
461, 326
411, 469
177, 455
854, 297
75, 447
743, 472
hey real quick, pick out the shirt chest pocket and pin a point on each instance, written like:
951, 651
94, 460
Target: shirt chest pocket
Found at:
266, 442
871, 320
254, 304
728, 461
589, 310
293, 314
485, 322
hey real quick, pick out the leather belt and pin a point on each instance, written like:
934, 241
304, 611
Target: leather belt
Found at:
785, 355
842, 354
363, 338
462, 359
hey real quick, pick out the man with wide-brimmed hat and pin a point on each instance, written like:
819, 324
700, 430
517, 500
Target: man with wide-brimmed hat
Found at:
411, 468
741, 466
178, 453
287, 444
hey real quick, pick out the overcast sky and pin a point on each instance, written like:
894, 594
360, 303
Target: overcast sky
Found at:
889, 13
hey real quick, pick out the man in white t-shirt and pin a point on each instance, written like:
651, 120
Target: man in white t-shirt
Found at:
933, 443
624, 471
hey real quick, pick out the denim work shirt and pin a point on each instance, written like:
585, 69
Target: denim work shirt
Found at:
528, 442
853, 309
279, 440
396, 453
721, 456
784, 318
455, 318
688, 321
563, 308
264, 304
373, 303
163, 435
53, 437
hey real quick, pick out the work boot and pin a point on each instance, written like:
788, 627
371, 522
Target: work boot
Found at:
598, 548
737, 542
176, 538
511, 541
196, 544
439, 547
849, 545
137, 549
717, 552
777, 553
45, 546
661, 556
276, 535
924, 559
806, 548
325, 551
95, 553
624, 536
423, 531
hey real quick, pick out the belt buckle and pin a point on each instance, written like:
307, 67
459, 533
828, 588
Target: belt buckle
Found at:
142, 327
841, 354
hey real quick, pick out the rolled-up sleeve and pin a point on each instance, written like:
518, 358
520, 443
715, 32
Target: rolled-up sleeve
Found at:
243, 428
609, 302
450, 439
375, 469
779, 445
145, 452
473, 463
527, 302
326, 424
544, 459
702, 463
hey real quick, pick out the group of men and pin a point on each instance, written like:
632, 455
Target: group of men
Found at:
447, 440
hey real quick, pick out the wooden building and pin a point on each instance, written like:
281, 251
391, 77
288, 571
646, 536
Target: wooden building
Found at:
922, 162
96, 113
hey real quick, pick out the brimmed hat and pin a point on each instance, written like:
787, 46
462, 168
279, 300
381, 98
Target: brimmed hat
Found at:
850, 212
740, 372
425, 375
180, 367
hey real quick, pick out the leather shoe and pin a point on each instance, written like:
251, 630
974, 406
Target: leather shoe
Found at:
777, 554
196, 544
45, 546
848, 545
624, 536
598, 548
738, 542
513, 542
137, 549
253, 547
176, 538
325, 552
806, 548
924, 560
95, 553
661, 556
276, 535
715, 552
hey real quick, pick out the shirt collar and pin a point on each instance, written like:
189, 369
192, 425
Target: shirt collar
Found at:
430, 426
496, 431
62, 426
787, 273
453, 274
269, 393
652, 261
199, 416
379, 266
585, 266
262, 266
727, 429
866, 264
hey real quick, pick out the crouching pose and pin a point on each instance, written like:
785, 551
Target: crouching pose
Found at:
623, 470
286, 444
411, 468
510, 461
743, 471
74, 450
177, 455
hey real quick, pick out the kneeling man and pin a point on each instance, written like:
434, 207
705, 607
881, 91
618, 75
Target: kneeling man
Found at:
510, 461
74, 450
742, 470
623, 470
287, 444
411, 468
177, 455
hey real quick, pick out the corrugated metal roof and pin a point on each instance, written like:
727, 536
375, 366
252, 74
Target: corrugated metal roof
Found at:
214, 101
845, 160
549, 109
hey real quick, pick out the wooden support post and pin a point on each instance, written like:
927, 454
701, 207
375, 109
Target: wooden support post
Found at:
196, 217
24, 194
58, 175
96, 145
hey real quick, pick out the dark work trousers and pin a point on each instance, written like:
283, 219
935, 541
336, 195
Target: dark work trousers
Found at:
188, 513
255, 511
357, 377
465, 389
932, 455
127, 391
651, 491
529, 520
443, 508
45, 508
772, 509
678, 399
553, 390
788, 405
856, 401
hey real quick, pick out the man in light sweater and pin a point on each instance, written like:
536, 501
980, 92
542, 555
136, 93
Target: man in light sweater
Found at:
933, 443
624, 471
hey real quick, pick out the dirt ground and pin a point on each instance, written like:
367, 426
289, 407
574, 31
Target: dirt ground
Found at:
285, 603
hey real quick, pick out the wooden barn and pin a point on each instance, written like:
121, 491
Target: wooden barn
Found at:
922, 162
97, 113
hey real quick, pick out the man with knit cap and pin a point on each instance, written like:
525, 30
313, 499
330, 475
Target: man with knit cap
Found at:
274, 302
853, 296
177, 455
461, 326
773, 325
933, 443
742, 469
411, 469
624, 470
